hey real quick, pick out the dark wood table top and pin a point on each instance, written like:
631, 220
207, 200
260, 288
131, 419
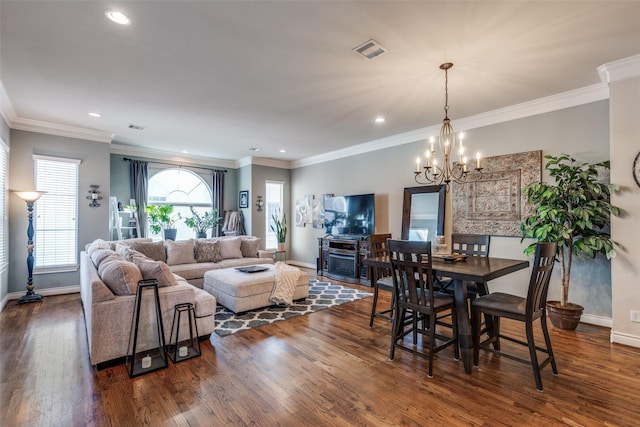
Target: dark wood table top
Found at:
476, 269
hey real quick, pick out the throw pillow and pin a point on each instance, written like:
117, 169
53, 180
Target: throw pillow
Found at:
180, 252
230, 248
97, 244
156, 270
120, 276
154, 250
208, 250
249, 246
129, 253
99, 255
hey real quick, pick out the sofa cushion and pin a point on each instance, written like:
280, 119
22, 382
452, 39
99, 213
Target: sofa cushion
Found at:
180, 252
194, 271
249, 246
157, 270
154, 250
119, 275
230, 248
130, 242
208, 250
97, 244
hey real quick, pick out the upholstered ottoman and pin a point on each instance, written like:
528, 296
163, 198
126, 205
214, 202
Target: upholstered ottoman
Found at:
239, 291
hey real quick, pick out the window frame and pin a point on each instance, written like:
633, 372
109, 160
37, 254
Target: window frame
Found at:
269, 234
4, 181
38, 207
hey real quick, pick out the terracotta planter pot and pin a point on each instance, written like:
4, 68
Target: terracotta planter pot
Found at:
567, 317
281, 246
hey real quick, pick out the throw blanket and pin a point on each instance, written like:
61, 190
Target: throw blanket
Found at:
285, 284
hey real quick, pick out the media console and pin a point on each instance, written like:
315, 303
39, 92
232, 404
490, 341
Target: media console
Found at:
341, 257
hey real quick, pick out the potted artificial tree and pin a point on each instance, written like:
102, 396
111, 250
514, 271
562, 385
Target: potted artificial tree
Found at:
161, 218
279, 226
574, 211
201, 223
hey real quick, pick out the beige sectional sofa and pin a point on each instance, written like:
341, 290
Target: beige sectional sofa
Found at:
110, 272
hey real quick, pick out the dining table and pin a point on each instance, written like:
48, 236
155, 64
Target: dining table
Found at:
471, 269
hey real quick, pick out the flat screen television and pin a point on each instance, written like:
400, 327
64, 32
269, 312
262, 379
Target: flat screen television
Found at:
350, 215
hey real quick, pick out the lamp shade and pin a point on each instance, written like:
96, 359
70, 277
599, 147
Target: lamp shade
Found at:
29, 196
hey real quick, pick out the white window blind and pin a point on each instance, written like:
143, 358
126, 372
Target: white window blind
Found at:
56, 227
4, 172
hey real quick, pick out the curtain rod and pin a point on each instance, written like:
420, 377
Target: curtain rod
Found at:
127, 159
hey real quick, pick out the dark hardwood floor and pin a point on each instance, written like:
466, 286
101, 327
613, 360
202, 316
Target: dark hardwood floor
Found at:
325, 369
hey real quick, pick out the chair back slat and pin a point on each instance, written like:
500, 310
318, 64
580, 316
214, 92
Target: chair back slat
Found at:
540, 277
377, 248
470, 244
412, 273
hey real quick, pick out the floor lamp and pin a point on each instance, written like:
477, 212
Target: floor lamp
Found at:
30, 197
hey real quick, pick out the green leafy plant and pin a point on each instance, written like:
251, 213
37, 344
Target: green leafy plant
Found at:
202, 223
574, 211
279, 226
161, 218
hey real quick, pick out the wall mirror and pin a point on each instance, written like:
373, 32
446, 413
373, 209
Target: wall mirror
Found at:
423, 212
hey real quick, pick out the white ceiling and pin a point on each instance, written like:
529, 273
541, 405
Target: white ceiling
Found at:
217, 77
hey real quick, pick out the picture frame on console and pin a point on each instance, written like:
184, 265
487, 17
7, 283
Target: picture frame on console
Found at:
243, 199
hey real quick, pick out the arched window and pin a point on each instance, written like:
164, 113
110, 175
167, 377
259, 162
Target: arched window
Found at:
180, 188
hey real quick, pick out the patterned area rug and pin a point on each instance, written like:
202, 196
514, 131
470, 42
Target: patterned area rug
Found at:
322, 295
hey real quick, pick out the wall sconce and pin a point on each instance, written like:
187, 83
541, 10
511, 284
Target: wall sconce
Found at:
94, 196
259, 203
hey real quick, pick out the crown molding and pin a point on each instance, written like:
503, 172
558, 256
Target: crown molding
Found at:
61, 130
573, 98
6, 108
620, 70
264, 161
127, 150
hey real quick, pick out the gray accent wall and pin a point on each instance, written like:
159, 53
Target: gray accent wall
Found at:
259, 176
92, 222
581, 131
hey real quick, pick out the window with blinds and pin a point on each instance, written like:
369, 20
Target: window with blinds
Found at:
55, 216
4, 174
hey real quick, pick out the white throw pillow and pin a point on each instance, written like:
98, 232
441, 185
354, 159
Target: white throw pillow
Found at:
180, 252
230, 248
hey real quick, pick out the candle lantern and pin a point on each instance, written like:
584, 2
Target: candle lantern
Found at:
146, 340
183, 342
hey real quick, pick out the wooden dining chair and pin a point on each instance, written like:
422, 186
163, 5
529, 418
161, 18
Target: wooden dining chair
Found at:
381, 277
527, 310
414, 295
470, 245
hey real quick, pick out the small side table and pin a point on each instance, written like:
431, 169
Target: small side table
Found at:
280, 256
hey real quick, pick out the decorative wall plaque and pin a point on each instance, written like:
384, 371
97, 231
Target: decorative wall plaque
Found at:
494, 204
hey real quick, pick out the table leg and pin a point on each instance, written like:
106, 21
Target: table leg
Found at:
464, 324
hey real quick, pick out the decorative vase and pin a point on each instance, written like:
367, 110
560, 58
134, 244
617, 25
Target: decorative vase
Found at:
170, 233
281, 246
567, 317
201, 235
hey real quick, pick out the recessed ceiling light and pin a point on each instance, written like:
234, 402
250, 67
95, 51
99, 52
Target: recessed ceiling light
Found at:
254, 149
380, 119
185, 152
117, 17
95, 115
283, 151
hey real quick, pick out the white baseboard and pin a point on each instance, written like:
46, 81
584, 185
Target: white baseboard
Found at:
302, 264
592, 319
47, 292
626, 339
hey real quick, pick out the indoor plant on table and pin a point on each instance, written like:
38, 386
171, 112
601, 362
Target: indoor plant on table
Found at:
574, 211
161, 218
201, 223
279, 226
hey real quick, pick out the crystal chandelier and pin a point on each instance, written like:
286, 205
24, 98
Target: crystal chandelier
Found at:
449, 170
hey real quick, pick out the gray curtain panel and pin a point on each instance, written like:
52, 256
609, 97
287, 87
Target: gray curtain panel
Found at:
139, 184
217, 189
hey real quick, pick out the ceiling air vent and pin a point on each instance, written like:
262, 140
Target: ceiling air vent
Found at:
136, 127
370, 49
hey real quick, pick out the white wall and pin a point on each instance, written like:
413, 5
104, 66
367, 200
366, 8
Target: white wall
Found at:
581, 131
